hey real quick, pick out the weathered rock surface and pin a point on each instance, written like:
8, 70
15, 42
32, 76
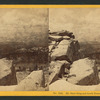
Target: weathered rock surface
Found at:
83, 72
66, 50
60, 52
33, 82
7, 73
57, 69
62, 85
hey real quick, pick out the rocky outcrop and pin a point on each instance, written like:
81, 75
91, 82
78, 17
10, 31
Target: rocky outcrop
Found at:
66, 50
83, 72
65, 47
57, 69
80, 71
63, 50
33, 82
7, 73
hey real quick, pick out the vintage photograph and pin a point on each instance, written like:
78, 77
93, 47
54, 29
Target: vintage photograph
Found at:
24, 49
49, 49
74, 49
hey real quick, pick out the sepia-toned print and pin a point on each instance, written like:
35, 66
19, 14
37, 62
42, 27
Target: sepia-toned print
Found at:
74, 49
49, 49
23, 49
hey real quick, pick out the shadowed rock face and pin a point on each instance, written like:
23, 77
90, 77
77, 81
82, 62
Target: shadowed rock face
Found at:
79, 74
63, 46
7, 73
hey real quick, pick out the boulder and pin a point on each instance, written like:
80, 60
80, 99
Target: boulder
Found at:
63, 85
84, 72
60, 52
33, 82
7, 73
57, 69
65, 51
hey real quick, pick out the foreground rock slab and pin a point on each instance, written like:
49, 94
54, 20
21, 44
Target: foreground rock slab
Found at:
83, 72
7, 73
57, 69
62, 85
33, 82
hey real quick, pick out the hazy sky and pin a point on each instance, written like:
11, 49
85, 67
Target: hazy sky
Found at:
31, 24
83, 22
24, 25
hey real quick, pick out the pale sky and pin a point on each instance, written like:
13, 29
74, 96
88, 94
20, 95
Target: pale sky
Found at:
24, 25
83, 22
